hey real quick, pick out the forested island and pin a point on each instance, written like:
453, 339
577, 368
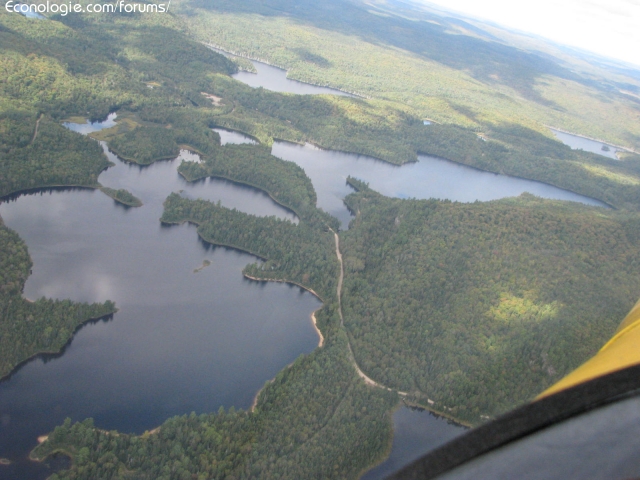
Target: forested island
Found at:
464, 309
122, 196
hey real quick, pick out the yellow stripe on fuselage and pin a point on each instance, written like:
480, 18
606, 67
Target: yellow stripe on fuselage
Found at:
623, 350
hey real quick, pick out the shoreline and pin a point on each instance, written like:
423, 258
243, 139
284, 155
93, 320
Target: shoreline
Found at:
255, 279
455, 162
326, 149
437, 413
389, 449
247, 184
60, 352
231, 130
266, 62
254, 404
404, 404
112, 193
47, 189
565, 189
619, 147
315, 325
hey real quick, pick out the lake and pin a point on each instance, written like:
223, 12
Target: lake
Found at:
430, 177
577, 142
275, 79
416, 432
185, 338
188, 338
232, 137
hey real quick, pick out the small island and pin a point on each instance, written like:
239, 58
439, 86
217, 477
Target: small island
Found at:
5, 461
122, 196
204, 265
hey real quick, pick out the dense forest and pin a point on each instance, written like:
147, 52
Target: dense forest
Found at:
26, 327
480, 306
50, 156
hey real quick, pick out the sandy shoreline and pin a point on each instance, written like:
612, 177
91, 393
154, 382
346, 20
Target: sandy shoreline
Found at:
313, 322
313, 315
315, 325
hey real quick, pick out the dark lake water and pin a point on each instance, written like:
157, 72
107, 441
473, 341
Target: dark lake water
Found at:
416, 432
182, 340
580, 143
430, 177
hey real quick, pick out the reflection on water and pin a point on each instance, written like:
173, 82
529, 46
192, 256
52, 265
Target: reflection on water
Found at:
34, 470
188, 156
430, 177
233, 137
184, 339
85, 128
415, 432
580, 143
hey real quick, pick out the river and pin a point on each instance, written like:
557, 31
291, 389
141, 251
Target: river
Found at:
185, 338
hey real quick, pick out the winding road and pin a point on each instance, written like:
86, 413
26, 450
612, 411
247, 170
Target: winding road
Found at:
361, 374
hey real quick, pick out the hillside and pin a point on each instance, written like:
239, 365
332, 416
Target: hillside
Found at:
481, 306
442, 67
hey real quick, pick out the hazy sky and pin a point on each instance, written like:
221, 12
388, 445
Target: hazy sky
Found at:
607, 27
